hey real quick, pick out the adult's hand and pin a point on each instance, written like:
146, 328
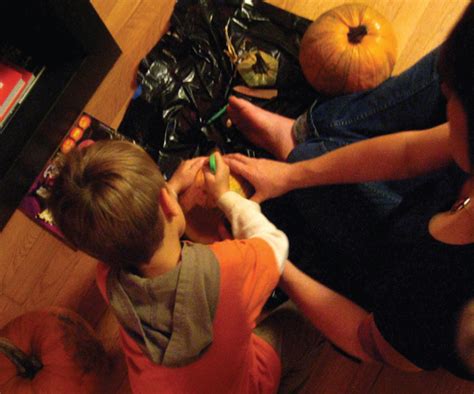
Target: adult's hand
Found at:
270, 178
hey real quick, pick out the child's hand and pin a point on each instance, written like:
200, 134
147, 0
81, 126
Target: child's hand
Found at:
185, 174
217, 184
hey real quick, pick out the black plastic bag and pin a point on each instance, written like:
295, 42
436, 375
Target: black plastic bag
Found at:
187, 77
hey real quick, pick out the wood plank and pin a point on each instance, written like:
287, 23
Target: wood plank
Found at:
142, 30
115, 13
104, 8
392, 381
336, 373
60, 276
424, 37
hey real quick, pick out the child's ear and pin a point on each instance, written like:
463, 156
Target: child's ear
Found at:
168, 203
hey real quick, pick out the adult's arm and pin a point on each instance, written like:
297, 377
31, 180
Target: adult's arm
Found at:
343, 322
390, 157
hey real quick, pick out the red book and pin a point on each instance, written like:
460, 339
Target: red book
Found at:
29, 78
13, 81
11, 86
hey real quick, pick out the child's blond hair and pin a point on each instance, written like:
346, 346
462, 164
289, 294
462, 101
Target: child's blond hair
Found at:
105, 202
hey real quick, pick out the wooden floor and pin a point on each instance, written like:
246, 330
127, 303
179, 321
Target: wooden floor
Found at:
37, 270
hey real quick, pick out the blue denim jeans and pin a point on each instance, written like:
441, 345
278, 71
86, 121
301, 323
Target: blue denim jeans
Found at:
409, 101
343, 219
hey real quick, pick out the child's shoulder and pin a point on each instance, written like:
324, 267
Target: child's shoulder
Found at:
239, 245
244, 253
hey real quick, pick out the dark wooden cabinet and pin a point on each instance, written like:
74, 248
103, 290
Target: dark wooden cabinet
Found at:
69, 39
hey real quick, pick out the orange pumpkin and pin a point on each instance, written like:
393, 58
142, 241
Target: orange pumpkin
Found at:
348, 49
50, 351
203, 218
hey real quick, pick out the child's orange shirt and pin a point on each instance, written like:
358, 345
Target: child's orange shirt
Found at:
237, 361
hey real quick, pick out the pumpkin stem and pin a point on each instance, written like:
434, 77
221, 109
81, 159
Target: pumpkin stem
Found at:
27, 366
356, 34
260, 67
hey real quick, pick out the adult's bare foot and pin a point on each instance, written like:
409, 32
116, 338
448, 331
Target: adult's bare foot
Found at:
264, 129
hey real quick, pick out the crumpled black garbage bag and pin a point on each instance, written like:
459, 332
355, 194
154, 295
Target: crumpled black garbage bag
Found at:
187, 77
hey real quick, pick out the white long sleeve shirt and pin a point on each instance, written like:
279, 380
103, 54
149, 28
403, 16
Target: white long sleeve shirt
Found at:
247, 221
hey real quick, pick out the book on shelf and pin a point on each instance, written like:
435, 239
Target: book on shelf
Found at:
12, 84
15, 84
30, 68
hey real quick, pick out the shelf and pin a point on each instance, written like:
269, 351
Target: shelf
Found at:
78, 51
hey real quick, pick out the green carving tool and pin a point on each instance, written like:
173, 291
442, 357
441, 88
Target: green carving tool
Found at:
217, 115
212, 163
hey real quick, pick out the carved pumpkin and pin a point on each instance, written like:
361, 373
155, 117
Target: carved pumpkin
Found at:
203, 218
50, 351
348, 49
